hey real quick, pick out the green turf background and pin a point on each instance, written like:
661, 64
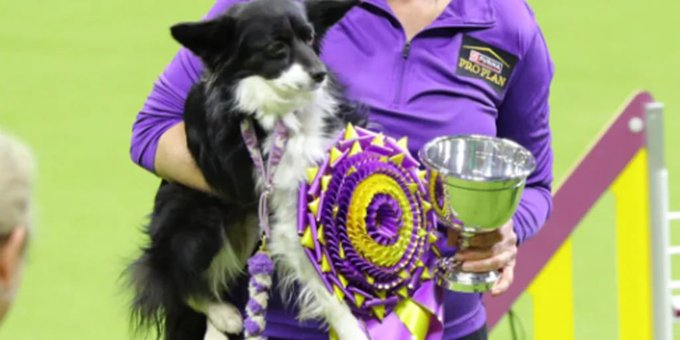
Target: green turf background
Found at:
73, 73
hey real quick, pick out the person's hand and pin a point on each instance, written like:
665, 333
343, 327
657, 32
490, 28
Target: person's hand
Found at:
494, 250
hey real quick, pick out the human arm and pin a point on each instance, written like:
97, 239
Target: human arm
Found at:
158, 137
174, 162
524, 118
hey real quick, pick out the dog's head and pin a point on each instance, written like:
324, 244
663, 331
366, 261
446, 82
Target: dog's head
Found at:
269, 46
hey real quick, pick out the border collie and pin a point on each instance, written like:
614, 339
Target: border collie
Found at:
261, 61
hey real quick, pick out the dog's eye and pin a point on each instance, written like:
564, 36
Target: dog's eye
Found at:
309, 40
308, 36
277, 49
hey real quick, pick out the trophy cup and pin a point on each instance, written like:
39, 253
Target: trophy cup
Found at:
476, 184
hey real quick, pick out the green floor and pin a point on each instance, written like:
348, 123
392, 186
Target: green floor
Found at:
74, 73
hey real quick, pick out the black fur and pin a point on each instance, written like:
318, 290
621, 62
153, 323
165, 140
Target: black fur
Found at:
188, 228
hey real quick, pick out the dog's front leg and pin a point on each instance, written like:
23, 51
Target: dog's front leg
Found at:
339, 317
213, 333
222, 318
314, 300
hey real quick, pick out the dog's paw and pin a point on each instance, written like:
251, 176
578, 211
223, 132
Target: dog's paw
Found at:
225, 317
354, 336
212, 333
358, 335
349, 330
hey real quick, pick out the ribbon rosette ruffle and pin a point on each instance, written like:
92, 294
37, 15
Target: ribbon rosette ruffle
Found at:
367, 225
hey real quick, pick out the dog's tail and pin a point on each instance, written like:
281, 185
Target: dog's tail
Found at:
154, 297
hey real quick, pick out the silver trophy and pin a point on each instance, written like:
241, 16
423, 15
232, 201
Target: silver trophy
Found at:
476, 183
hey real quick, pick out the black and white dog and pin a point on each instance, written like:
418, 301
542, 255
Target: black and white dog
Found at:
261, 60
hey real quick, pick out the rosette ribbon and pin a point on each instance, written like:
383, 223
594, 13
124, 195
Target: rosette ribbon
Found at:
366, 223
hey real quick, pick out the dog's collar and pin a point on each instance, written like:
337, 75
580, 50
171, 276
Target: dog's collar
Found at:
280, 138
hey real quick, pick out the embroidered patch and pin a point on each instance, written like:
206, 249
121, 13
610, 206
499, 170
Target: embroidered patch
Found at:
478, 59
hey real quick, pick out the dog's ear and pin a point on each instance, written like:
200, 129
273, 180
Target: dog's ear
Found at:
323, 14
204, 38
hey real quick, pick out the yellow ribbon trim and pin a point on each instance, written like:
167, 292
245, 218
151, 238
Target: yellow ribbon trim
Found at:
379, 311
415, 318
319, 234
332, 335
313, 206
356, 149
325, 180
311, 174
359, 299
379, 140
335, 154
398, 159
350, 132
325, 265
307, 238
403, 143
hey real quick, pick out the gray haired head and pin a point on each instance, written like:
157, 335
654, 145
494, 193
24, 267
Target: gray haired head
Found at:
17, 168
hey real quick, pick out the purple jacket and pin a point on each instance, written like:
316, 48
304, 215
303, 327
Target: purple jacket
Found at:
481, 67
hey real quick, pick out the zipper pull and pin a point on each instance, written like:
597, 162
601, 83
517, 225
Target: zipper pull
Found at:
406, 50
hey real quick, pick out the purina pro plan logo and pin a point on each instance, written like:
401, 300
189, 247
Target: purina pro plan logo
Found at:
480, 60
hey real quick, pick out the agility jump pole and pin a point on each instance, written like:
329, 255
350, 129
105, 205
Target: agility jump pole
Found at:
660, 218
628, 159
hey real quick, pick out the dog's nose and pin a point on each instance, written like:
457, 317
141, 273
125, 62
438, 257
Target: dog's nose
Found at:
318, 76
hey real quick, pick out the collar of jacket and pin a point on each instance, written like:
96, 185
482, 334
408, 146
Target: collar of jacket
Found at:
459, 13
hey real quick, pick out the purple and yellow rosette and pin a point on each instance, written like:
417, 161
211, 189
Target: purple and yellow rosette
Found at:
367, 225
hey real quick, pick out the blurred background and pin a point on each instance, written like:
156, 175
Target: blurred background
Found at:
74, 73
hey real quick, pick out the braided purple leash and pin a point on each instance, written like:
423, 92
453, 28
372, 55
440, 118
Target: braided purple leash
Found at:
260, 265
260, 268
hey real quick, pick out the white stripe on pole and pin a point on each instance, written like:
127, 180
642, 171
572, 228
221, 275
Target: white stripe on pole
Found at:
674, 216
658, 213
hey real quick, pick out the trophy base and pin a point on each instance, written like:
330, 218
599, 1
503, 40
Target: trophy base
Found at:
465, 282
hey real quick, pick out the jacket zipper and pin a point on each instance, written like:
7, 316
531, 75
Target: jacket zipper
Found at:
405, 52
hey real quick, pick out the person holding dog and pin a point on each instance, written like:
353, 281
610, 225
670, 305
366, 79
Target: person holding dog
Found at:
425, 68
16, 171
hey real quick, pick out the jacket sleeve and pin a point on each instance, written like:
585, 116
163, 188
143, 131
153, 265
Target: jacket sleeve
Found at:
524, 117
164, 106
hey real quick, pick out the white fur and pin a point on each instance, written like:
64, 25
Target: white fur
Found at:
303, 112
296, 79
272, 98
212, 333
225, 317
224, 268
229, 262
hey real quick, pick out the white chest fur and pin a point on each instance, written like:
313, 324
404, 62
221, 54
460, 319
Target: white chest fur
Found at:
307, 144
